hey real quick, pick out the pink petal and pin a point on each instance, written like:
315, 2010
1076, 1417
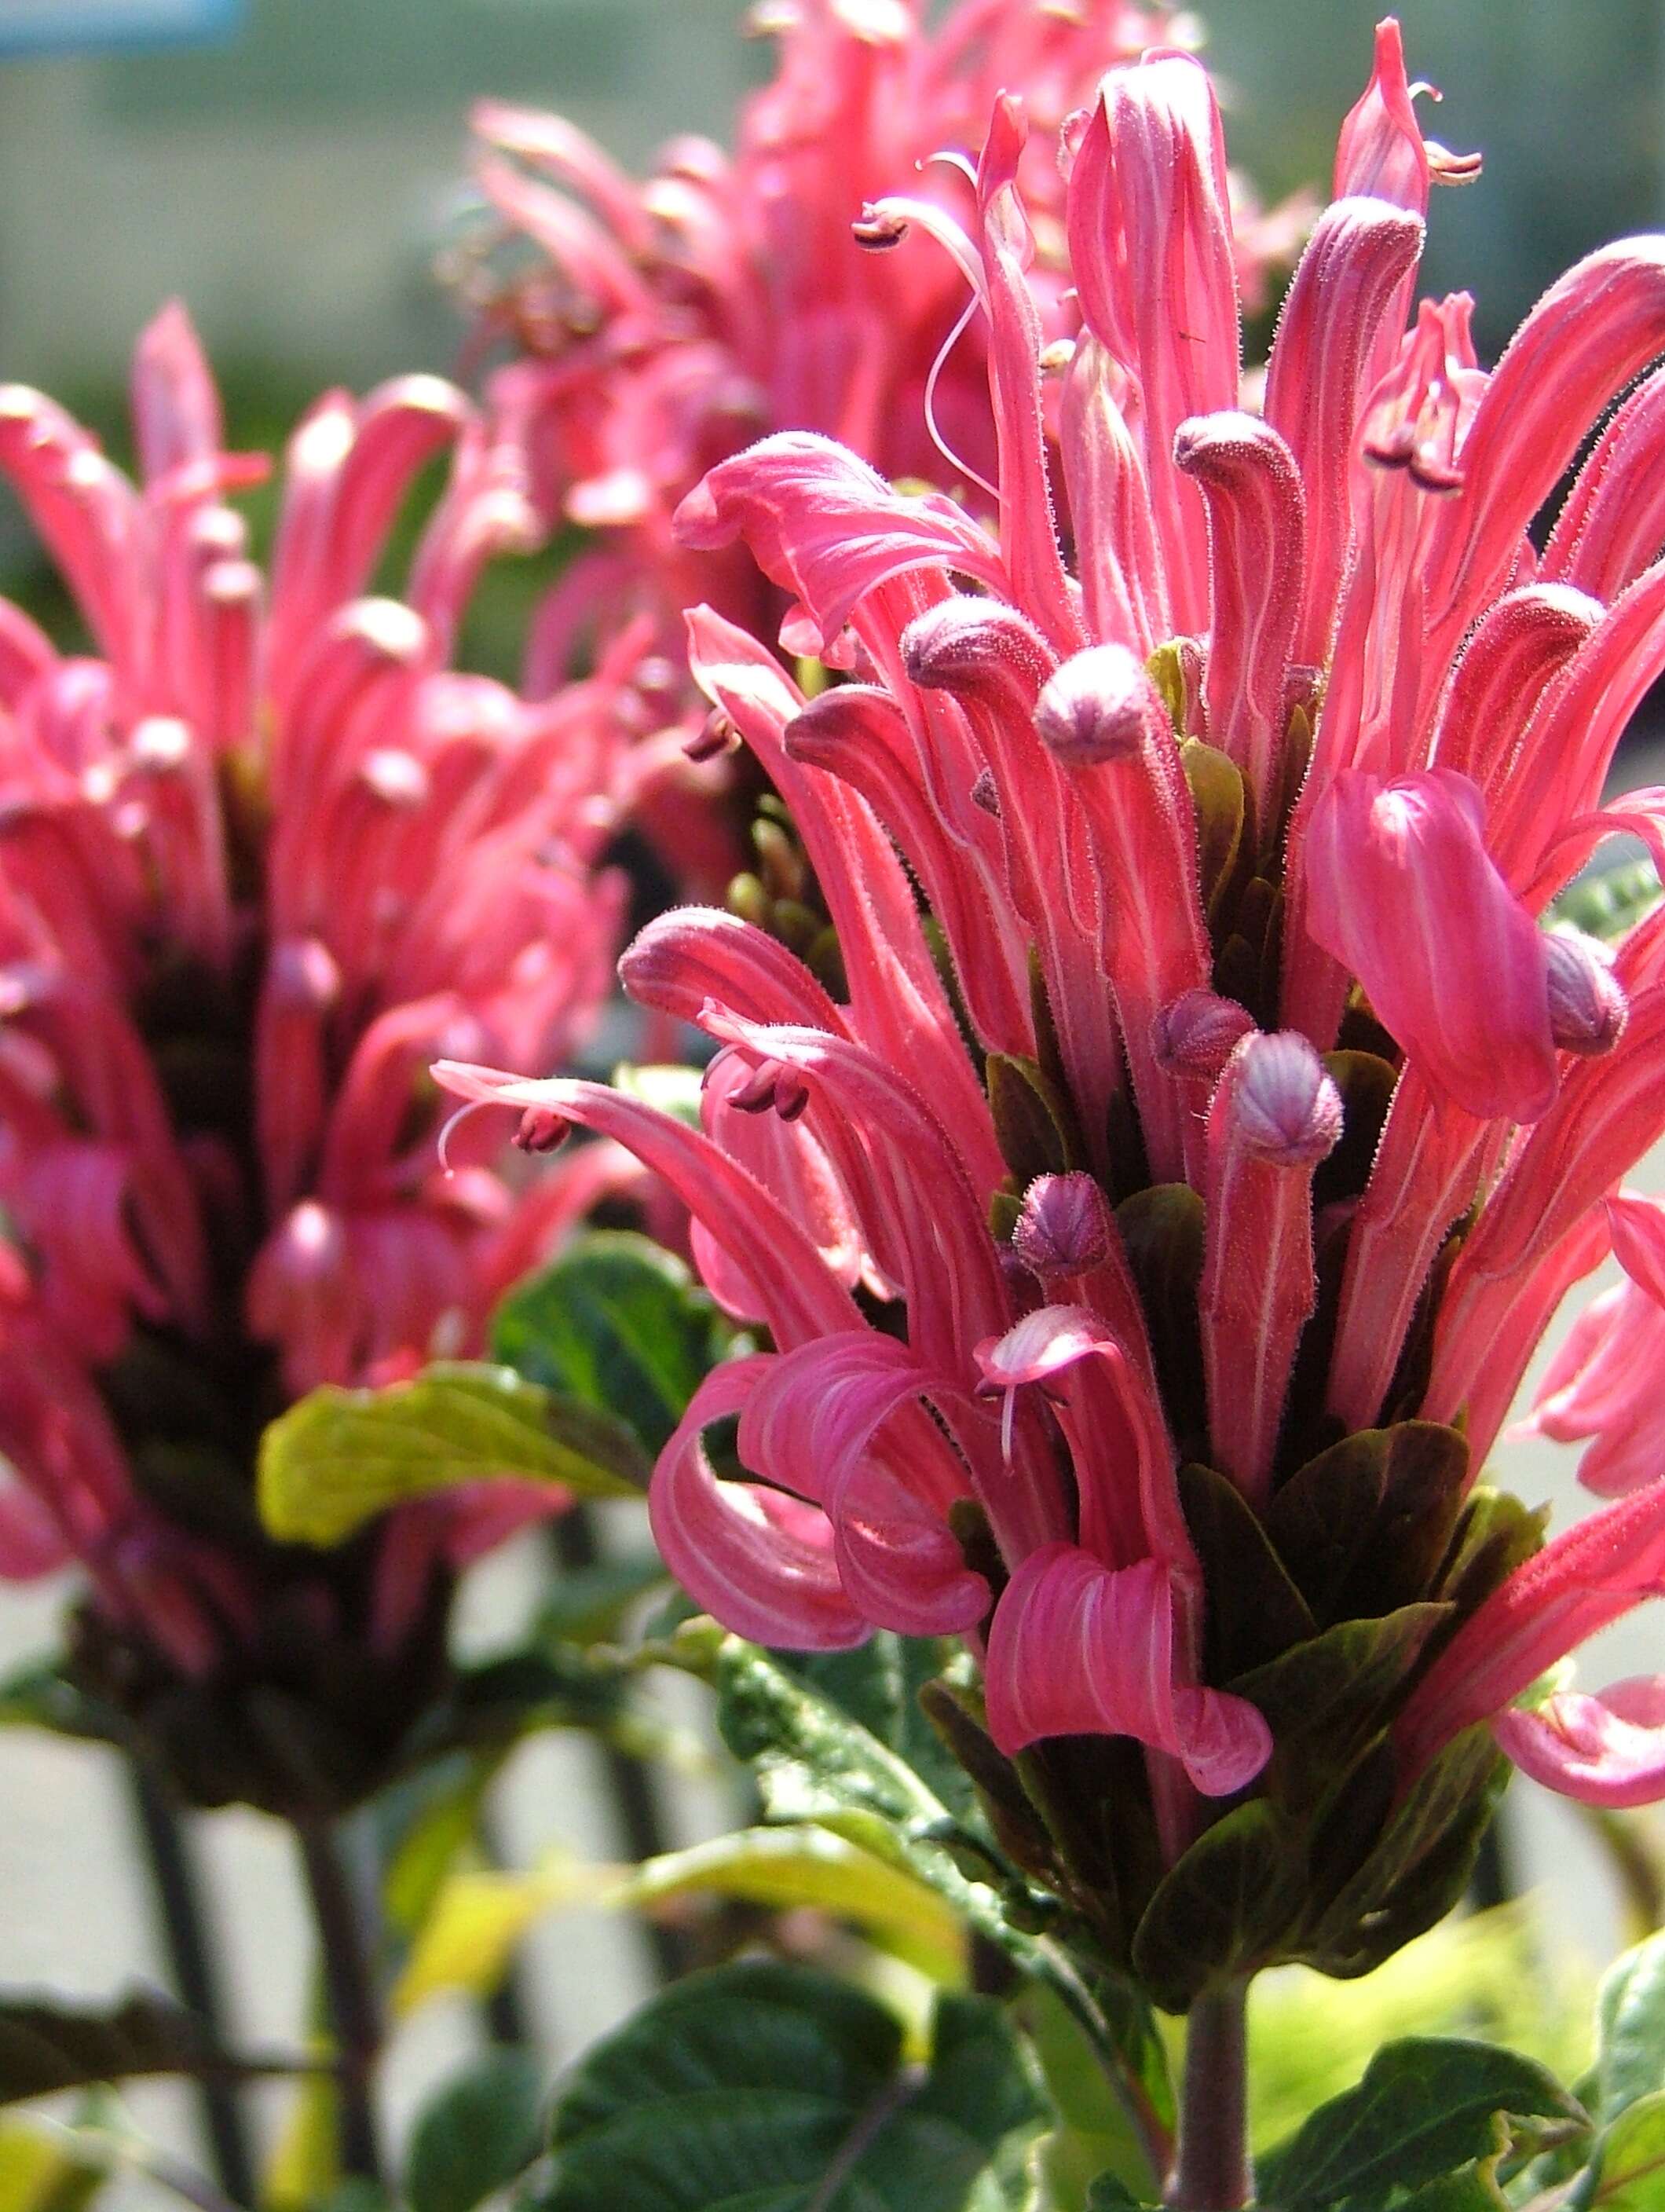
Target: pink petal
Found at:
1607, 1750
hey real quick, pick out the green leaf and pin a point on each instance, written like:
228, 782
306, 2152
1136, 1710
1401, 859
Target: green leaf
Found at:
1608, 901
1630, 2027
764, 2088
42, 2168
1219, 1910
478, 2130
617, 1324
1628, 2173
880, 1685
1420, 1861
1321, 1698
1093, 2141
1110, 2194
1363, 1527
39, 1694
784, 1867
341, 1456
48, 2044
1254, 1611
1219, 796
1034, 1121
1426, 2106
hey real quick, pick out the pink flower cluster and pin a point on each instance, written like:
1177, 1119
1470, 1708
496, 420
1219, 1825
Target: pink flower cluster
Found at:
1238, 818
263, 853
664, 323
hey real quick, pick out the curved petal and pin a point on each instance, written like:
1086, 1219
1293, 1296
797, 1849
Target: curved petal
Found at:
1607, 1750
760, 1561
1077, 1649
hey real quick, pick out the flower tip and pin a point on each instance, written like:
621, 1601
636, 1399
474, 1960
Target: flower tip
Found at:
1100, 706
1588, 1008
1199, 1033
1287, 1110
879, 228
1065, 1227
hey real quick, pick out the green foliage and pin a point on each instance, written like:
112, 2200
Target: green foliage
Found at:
1427, 2107
41, 1695
764, 2088
339, 1457
43, 2169
1630, 2029
476, 2133
617, 1325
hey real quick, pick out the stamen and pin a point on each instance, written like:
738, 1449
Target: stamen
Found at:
936, 438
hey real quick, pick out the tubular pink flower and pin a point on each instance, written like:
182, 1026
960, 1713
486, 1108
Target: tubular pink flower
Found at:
1079, 1648
1402, 891
1257, 546
1208, 1088
258, 863
1275, 1115
1585, 1579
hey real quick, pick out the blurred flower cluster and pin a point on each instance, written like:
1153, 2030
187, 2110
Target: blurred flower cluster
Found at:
264, 853
661, 325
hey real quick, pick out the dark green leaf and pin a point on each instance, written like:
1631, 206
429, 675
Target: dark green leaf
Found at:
1254, 1611
1495, 1535
764, 2088
1161, 1233
1366, 1083
1328, 1691
342, 1456
1421, 1861
478, 2130
1426, 2106
878, 1684
1034, 1122
1219, 1910
1472, 2188
1630, 2018
40, 1695
1109, 2194
619, 1324
1363, 1527
48, 2044
585, 1605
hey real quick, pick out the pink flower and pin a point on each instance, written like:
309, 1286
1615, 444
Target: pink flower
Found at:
666, 322
1285, 1118
260, 859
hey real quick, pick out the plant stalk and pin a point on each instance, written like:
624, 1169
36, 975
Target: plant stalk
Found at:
1212, 2170
354, 2001
176, 1885
637, 1804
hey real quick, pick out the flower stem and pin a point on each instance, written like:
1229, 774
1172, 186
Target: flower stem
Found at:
350, 1992
1212, 2171
177, 1888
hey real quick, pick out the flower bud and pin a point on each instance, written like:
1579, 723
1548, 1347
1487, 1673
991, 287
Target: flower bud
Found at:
1198, 1034
1101, 706
977, 647
1065, 1227
1287, 1111
1587, 1008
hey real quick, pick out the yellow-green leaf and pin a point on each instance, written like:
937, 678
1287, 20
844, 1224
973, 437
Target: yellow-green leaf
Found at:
341, 1456
469, 1938
793, 1867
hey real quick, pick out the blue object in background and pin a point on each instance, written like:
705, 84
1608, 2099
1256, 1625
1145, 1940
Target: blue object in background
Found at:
63, 27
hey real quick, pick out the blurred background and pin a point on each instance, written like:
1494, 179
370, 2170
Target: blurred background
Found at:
292, 169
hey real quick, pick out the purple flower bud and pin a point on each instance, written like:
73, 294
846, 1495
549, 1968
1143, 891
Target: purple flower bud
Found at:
1587, 1008
1287, 1110
1101, 706
1065, 1228
1198, 1034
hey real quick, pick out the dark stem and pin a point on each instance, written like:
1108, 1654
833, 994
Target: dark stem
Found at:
637, 1805
1211, 2171
343, 1924
176, 1885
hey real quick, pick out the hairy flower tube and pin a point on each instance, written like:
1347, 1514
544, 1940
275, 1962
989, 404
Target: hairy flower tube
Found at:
263, 853
1152, 1240
662, 324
